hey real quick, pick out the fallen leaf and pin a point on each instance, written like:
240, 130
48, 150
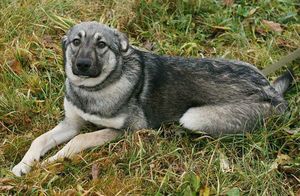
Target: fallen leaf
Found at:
15, 67
261, 31
95, 171
293, 131
70, 192
204, 191
48, 39
224, 163
79, 188
282, 159
5, 180
289, 169
272, 25
228, 2
49, 42
6, 188
252, 11
233, 192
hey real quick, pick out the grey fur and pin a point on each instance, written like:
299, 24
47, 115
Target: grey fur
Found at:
150, 89
282, 83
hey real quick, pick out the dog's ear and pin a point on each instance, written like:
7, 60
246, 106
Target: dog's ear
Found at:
64, 43
64, 47
123, 40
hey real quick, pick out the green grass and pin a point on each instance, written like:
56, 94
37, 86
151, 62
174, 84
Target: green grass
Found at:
166, 161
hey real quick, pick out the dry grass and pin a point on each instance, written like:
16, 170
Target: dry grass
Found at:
149, 162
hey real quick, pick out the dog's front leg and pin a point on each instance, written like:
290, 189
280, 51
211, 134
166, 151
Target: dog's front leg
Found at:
64, 131
84, 141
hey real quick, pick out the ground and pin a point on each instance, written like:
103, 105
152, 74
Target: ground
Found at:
169, 160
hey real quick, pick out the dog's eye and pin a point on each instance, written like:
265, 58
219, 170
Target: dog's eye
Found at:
101, 44
76, 42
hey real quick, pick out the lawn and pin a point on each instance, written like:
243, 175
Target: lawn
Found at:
168, 161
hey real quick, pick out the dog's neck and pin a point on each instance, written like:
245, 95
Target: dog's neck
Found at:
111, 96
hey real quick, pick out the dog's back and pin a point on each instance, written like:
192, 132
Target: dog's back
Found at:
172, 85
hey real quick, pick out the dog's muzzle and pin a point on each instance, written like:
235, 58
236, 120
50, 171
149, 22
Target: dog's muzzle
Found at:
84, 67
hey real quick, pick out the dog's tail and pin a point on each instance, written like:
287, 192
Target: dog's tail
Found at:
282, 83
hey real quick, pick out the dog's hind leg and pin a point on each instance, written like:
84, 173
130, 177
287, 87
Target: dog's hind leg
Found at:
225, 119
84, 141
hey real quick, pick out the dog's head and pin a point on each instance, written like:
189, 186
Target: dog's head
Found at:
92, 51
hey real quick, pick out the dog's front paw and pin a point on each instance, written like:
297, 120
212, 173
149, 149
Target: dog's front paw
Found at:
20, 169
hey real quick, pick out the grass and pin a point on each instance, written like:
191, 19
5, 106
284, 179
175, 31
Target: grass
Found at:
148, 162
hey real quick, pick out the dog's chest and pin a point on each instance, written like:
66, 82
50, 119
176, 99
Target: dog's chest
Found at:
116, 122
104, 102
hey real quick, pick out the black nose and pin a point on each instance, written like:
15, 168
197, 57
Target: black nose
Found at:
83, 64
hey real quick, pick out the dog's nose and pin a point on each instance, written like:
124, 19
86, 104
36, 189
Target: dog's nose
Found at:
83, 64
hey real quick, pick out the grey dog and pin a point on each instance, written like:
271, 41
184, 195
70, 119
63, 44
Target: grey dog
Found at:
116, 86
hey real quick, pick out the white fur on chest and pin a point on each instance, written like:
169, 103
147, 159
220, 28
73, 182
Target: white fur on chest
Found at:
116, 122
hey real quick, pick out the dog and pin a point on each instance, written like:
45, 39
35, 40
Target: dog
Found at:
118, 87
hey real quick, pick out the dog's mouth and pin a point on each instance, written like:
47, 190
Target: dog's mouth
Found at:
86, 75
